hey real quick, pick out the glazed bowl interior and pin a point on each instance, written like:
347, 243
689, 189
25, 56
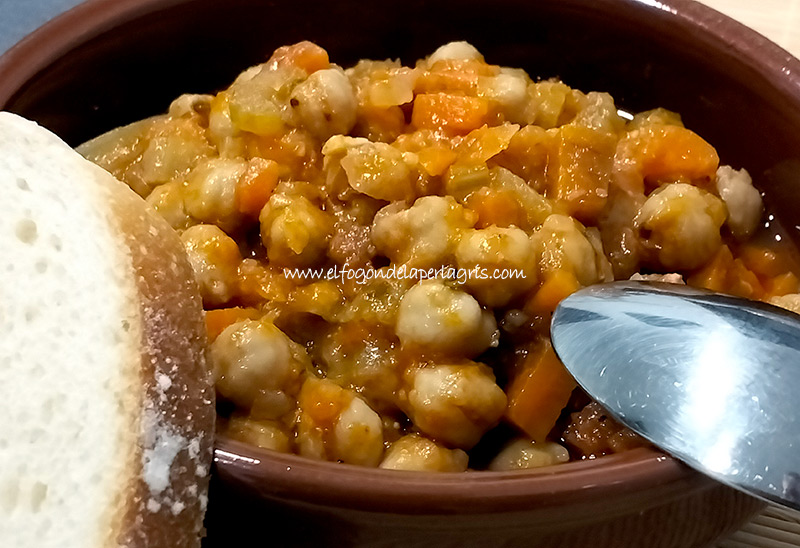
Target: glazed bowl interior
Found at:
112, 62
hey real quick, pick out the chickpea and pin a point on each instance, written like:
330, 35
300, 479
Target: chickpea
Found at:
561, 244
379, 171
454, 51
255, 362
455, 404
365, 357
496, 250
358, 434
741, 198
523, 454
334, 423
210, 192
325, 103
414, 452
175, 146
294, 231
168, 201
261, 433
215, 260
435, 318
683, 223
424, 235
222, 133
509, 90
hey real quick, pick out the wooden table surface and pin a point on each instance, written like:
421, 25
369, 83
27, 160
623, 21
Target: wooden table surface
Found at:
778, 20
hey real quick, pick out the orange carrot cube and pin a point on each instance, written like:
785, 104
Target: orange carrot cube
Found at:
256, 186
558, 285
538, 394
457, 114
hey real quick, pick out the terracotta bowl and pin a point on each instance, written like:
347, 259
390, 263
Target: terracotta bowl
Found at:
110, 62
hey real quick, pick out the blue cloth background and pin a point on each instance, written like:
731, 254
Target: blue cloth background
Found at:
20, 17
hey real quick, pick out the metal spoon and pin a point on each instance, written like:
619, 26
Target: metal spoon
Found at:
711, 379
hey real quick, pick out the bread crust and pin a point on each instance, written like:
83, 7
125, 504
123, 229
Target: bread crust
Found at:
175, 419
157, 400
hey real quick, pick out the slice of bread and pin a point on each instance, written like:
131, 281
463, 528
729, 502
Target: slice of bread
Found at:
106, 400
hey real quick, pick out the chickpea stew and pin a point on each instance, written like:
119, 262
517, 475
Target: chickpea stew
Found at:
380, 249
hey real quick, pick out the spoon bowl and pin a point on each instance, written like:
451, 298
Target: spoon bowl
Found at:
711, 379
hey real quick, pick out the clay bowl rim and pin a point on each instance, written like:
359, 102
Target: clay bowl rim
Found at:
620, 477
91, 18
290, 477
